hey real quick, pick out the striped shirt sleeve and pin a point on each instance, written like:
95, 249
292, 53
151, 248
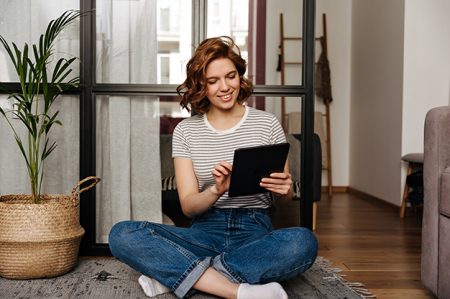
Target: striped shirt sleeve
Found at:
180, 146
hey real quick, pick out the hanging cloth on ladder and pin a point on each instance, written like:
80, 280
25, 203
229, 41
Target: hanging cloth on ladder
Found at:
322, 79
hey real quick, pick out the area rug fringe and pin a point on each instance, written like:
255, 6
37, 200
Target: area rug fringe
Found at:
335, 274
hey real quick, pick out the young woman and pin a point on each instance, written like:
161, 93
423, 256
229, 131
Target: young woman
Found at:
231, 249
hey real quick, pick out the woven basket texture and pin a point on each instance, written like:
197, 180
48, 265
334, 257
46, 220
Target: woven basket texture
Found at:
39, 240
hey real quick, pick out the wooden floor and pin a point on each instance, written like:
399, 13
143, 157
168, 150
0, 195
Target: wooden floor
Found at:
368, 241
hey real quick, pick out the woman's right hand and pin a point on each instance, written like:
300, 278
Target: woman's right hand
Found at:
222, 174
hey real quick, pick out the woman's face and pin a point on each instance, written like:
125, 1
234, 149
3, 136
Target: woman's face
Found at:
222, 83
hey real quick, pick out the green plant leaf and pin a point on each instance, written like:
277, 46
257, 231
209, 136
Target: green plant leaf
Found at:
50, 121
33, 79
46, 152
19, 63
25, 62
22, 150
61, 70
9, 51
23, 118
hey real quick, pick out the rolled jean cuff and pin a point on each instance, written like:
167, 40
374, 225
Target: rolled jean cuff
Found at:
191, 276
220, 266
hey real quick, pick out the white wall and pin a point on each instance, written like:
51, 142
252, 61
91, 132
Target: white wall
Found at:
376, 92
401, 69
338, 30
427, 66
426, 69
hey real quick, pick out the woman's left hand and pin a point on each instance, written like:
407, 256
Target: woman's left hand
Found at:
278, 182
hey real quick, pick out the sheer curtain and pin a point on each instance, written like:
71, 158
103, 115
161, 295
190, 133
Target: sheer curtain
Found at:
127, 127
23, 21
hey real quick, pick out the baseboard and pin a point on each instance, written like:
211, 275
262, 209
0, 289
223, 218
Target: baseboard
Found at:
367, 196
335, 189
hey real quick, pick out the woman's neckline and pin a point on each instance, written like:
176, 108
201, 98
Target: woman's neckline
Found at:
231, 129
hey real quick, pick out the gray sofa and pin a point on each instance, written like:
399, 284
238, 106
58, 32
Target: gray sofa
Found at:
435, 268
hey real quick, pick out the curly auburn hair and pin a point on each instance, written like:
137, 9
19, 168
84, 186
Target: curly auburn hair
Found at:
193, 89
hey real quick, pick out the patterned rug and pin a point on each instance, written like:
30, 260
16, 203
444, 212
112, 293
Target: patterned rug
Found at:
108, 278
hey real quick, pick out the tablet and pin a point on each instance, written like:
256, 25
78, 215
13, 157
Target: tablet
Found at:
251, 164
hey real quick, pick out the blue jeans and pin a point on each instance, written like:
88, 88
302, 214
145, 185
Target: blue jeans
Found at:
239, 243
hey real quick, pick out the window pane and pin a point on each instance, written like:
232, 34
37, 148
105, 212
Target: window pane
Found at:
292, 11
170, 113
23, 21
229, 18
292, 108
143, 41
127, 160
255, 27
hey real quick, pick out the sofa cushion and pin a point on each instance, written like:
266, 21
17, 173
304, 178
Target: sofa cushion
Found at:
165, 143
168, 183
296, 190
444, 204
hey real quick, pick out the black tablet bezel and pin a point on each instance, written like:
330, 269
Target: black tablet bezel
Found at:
251, 164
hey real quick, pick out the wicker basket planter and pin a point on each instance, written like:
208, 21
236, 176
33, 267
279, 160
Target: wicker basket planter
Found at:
40, 240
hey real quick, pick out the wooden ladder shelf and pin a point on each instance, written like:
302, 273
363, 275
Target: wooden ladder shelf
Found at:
283, 63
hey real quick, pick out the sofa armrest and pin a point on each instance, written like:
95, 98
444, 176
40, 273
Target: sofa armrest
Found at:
436, 149
436, 160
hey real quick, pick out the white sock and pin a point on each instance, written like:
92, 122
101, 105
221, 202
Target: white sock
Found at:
152, 287
271, 290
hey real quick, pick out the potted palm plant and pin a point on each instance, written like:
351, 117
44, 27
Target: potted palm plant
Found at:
40, 234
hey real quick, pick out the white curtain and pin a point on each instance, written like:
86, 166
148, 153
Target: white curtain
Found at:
127, 127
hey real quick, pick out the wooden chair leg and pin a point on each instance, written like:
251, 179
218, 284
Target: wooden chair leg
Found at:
405, 193
314, 216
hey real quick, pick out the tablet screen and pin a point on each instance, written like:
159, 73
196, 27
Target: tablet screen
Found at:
251, 164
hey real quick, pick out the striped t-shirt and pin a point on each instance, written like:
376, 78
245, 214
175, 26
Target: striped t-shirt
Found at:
196, 139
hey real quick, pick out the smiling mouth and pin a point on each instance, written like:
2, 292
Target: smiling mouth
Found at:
226, 97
